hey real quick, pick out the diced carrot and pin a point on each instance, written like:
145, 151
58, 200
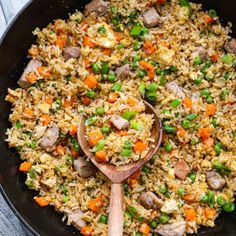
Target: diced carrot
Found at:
107, 51
60, 150
132, 182
190, 214
91, 81
25, 166
68, 102
94, 137
28, 112
41, 201
136, 175
209, 142
44, 71
208, 19
49, 100
46, 119
31, 77
189, 198
86, 100
33, 51
215, 57
144, 229
59, 26
100, 156
119, 36
61, 40
204, 133
149, 48
95, 204
86, 230
83, 25
149, 67
112, 97
210, 213
210, 110
131, 101
122, 133
73, 130
161, 2
188, 103
88, 42
139, 146
86, 63
181, 133
74, 153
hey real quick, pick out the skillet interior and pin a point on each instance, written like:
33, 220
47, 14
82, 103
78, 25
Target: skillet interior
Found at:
13, 50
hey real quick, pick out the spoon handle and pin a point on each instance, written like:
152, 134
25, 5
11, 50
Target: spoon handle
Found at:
116, 214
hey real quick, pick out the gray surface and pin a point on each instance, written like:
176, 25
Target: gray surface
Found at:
9, 224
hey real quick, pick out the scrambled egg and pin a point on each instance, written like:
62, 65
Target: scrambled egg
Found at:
165, 55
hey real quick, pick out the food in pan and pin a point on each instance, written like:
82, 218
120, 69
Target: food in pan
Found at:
114, 54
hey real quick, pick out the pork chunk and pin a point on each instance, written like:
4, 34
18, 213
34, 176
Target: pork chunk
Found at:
215, 180
31, 67
98, 6
174, 229
84, 168
230, 46
119, 122
150, 201
123, 71
50, 138
151, 18
176, 89
181, 169
75, 218
71, 52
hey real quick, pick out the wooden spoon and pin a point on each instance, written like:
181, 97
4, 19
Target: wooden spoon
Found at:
117, 174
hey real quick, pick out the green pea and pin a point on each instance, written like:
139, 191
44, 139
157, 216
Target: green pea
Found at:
191, 117
175, 103
162, 80
151, 96
105, 130
168, 147
159, 71
102, 30
142, 73
96, 68
126, 152
116, 87
197, 60
229, 207
163, 189
112, 77
181, 191
136, 31
154, 224
19, 125
105, 68
91, 94
100, 110
218, 147
192, 176
170, 129
103, 219
91, 121
69, 159
220, 200
186, 124
129, 115
33, 144
65, 198
210, 99
164, 218
193, 141
205, 93
198, 81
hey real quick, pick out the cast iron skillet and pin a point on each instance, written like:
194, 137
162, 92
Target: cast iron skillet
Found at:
13, 51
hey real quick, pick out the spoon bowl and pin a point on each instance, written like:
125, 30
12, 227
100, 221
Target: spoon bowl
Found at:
118, 174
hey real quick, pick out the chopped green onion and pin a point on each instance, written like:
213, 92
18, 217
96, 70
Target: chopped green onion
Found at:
198, 81
105, 68
209, 99
151, 96
65, 198
175, 103
162, 80
102, 30
220, 200
184, 3
186, 124
137, 45
168, 147
152, 87
218, 166
227, 58
191, 117
100, 110
105, 130
120, 46
137, 126
96, 68
170, 129
197, 60
163, 189
69, 159
91, 121
229, 207
224, 94
116, 86
212, 13
19, 125
205, 93
136, 31
112, 77
99, 146
218, 147
181, 191
127, 145
196, 127
214, 122
146, 169
142, 73
142, 88
192, 176
126, 152
129, 115
75, 143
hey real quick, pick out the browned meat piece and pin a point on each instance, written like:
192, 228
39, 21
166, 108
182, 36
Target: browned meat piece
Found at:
174, 229
98, 6
119, 122
123, 71
50, 138
230, 46
75, 218
181, 169
215, 180
151, 18
150, 201
31, 67
176, 89
71, 52
84, 168
201, 52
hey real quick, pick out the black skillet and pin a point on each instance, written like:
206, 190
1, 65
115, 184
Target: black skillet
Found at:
13, 51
